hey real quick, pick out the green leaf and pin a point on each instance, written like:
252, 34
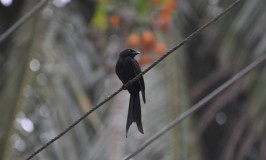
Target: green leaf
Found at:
100, 18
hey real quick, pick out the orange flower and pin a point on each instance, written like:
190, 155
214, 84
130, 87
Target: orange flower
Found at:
155, 2
133, 40
115, 20
145, 59
169, 6
166, 13
160, 48
148, 40
164, 21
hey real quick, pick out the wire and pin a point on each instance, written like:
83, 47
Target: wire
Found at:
135, 78
74, 124
200, 104
23, 19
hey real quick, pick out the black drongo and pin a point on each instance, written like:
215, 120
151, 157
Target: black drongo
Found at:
126, 69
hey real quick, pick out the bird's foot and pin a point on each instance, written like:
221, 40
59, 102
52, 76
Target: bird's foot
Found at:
124, 87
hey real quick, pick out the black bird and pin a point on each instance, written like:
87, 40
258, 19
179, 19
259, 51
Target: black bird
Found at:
126, 69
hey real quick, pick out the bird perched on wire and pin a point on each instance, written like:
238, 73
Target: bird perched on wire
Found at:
126, 69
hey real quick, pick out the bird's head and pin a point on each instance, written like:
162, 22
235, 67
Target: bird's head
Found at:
129, 53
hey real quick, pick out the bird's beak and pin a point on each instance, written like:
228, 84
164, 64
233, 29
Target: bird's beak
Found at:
136, 53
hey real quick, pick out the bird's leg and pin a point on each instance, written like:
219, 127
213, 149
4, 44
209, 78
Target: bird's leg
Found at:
124, 87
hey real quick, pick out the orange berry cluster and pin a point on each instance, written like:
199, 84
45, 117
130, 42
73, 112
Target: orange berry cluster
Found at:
147, 42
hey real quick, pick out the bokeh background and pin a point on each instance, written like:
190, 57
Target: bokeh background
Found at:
60, 63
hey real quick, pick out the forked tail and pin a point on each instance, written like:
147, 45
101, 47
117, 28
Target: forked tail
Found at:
134, 112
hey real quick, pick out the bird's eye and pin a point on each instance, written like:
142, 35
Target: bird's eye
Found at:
131, 50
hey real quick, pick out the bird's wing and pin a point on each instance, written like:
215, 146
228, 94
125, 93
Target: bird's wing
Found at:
137, 70
119, 69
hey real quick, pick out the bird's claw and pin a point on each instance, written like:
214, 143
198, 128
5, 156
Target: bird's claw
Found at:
124, 87
129, 83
